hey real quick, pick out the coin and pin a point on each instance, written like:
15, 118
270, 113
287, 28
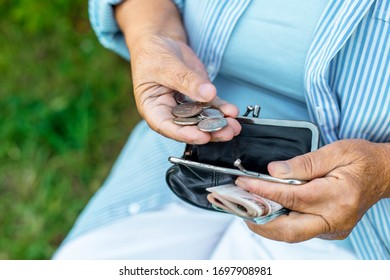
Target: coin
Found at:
187, 110
181, 98
212, 124
187, 121
208, 113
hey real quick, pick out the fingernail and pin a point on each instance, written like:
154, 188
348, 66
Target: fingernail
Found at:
280, 167
206, 91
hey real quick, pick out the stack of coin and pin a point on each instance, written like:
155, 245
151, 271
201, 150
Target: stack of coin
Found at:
190, 112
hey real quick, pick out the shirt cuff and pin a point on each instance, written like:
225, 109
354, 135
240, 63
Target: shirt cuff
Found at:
101, 16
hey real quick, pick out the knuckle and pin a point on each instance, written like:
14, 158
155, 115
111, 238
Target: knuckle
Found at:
349, 204
289, 199
308, 164
185, 79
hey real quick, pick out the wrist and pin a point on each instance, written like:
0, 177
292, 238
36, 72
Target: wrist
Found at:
140, 19
149, 35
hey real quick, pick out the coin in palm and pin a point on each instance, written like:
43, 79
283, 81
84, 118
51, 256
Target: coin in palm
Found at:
187, 121
209, 113
212, 124
187, 110
181, 98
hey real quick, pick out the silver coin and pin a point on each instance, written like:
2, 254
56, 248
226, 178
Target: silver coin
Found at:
208, 113
212, 125
181, 98
187, 121
187, 110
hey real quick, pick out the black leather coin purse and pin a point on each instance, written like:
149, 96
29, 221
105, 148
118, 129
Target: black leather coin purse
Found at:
248, 154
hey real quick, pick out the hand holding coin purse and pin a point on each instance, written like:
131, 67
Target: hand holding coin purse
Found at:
248, 154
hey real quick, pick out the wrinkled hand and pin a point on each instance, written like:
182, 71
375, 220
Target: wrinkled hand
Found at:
161, 66
345, 179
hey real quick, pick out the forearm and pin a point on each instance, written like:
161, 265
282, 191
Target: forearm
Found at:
140, 18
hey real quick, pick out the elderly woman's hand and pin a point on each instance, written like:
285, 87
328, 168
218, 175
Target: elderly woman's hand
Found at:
345, 179
161, 66
162, 63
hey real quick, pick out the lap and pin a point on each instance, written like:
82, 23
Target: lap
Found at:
136, 183
181, 231
173, 232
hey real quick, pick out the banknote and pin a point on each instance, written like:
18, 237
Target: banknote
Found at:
234, 200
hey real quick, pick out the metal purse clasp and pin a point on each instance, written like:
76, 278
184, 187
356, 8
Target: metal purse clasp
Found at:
255, 109
265, 177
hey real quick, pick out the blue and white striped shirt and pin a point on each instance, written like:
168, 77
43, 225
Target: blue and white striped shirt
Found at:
347, 78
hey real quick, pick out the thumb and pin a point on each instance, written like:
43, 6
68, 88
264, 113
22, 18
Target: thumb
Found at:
305, 167
182, 79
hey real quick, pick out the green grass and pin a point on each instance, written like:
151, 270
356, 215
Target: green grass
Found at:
66, 111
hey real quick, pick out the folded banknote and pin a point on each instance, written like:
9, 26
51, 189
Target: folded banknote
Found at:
234, 200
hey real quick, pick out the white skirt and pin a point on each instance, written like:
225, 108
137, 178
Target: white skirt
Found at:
182, 232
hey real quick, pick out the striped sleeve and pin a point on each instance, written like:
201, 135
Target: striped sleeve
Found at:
101, 16
361, 69
348, 86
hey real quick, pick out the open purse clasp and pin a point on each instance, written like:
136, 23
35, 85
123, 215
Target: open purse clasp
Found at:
255, 109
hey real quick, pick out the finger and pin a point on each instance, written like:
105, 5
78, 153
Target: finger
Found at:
182, 79
294, 197
309, 166
192, 135
160, 119
291, 228
187, 134
232, 129
226, 108
230, 111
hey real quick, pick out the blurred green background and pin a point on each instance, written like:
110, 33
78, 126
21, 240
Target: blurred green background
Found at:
66, 111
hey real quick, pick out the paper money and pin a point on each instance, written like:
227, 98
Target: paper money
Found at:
234, 200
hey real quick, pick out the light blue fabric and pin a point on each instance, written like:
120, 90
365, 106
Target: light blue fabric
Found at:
346, 87
136, 183
265, 57
270, 51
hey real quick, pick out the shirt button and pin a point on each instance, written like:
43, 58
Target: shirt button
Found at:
134, 208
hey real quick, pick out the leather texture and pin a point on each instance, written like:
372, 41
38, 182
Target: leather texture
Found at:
256, 146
